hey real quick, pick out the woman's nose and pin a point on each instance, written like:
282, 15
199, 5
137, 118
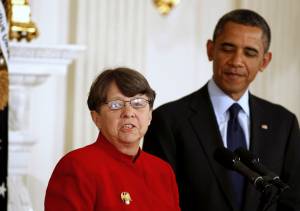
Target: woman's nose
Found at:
128, 111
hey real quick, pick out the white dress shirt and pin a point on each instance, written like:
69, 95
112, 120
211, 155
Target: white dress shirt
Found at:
221, 103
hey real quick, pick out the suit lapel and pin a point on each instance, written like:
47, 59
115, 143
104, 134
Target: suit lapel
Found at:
204, 120
205, 126
259, 141
260, 129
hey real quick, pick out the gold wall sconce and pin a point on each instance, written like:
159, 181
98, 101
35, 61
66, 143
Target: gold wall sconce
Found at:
19, 19
165, 6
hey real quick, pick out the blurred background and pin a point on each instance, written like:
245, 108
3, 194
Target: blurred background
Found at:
50, 76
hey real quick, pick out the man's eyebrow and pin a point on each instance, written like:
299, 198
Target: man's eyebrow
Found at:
248, 48
224, 44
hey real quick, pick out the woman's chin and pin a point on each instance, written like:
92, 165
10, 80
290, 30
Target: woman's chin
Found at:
130, 138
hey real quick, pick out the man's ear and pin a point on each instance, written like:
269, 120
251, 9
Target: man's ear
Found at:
210, 49
266, 60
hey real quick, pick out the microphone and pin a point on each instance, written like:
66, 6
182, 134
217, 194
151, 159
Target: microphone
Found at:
253, 162
230, 161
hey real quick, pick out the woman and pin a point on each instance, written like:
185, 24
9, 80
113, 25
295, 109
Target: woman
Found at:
114, 173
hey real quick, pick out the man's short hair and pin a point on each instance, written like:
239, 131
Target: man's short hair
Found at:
245, 17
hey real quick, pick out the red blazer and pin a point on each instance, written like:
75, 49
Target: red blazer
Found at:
93, 178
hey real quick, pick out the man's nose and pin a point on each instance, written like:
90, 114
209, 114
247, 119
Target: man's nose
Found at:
237, 59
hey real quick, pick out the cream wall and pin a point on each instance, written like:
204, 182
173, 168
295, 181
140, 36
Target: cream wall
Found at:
280, 82
169, 50
176, 61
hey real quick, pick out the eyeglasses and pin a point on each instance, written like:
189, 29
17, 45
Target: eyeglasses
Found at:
134, 103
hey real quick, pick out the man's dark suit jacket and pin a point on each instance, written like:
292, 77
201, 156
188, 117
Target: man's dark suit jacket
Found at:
185, 133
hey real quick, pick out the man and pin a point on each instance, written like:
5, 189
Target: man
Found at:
187, 132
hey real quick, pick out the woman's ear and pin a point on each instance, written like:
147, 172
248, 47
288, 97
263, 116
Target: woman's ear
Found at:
150, 117
96, 118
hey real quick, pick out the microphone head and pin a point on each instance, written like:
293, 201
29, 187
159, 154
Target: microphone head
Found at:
231, 161
246, 156
253, 162
225, 157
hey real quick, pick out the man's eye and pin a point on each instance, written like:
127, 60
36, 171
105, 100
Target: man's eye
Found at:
251, 53
227, 48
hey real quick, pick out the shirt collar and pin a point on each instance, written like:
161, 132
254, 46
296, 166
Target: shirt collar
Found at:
221, 101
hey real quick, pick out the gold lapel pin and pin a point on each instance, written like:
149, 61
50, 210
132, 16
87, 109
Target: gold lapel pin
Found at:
264, 126
125, 197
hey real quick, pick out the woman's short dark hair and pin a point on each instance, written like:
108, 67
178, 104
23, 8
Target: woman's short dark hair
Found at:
129, 82
248, 18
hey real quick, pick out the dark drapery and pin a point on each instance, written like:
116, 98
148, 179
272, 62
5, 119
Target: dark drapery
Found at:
3, 107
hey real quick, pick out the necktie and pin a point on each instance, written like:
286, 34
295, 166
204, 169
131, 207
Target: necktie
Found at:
236, 139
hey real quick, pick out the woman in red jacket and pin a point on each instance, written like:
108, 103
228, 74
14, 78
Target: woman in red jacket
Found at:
113, 173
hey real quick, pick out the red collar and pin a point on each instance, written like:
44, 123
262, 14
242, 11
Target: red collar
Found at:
114, 152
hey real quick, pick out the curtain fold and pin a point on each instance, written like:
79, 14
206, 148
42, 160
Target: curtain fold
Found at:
113, 32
